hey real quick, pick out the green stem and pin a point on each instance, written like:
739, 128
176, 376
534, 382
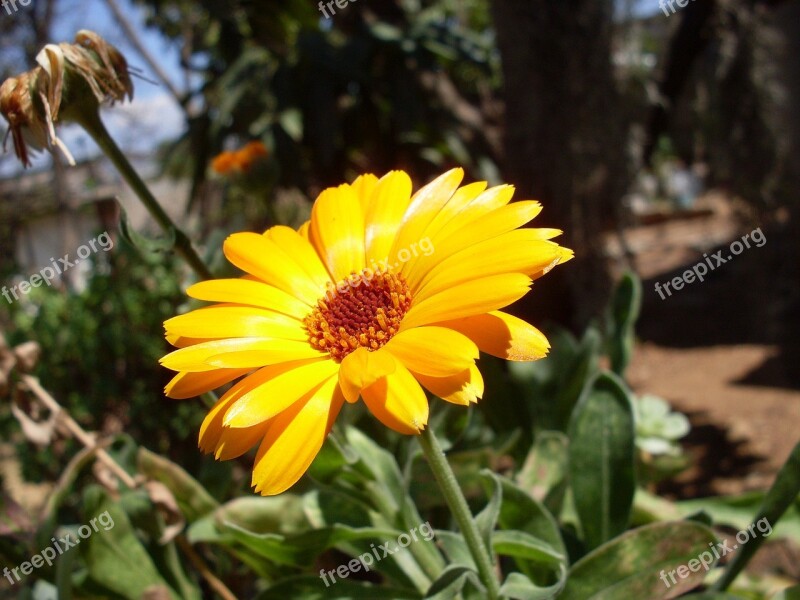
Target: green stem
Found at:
458, 505
91, 122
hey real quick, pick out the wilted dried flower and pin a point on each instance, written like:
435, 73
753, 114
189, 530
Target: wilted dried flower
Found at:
72, 80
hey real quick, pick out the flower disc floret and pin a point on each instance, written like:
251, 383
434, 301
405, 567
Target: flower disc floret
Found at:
366, 316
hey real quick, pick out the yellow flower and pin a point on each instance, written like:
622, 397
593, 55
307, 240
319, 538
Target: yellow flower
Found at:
380, 295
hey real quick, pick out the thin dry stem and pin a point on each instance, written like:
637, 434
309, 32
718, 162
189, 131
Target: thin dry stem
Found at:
77, 431
217, 585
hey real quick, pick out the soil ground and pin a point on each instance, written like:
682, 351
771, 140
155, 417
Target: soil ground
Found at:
717, 350
724, 352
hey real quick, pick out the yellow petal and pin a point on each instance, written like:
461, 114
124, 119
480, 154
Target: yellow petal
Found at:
433, 351
462, 388
303, 230
238, 353
398, 401
451, 240
211, 429
184, 342
294, 439
481, 207
188, 385
301, 250
454, 207
235, 442
384, 214
258, 255
520, 251
564, 255
489, 202
251, 293
503, 220
337, 231
273, 394
468, 299
503, 335
235, 321
268, 352
361, 368
424, 207
363, 187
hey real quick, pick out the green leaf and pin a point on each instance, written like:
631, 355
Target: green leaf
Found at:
625, 306
383, 469
386, 490
522, 512
169, 562
737, 511
192, 498
783, 493
331, 460
325, 507
713, 596
276, 514
455, 549
519, 587
650, 508
65, 567
328, 507
115, 557
544, 473
523, 545
792, 593
602, 459
314, 588
302, 549
632, 565
553, 386
486, 520
581, 368
452, 582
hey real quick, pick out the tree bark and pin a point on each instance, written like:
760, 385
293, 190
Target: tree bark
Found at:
565, 141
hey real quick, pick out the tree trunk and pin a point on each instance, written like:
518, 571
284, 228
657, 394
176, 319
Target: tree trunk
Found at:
564, 139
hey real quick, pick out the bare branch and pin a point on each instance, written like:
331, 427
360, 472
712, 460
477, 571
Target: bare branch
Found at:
133, 38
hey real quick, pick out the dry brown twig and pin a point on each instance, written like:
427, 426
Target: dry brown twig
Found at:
76, 430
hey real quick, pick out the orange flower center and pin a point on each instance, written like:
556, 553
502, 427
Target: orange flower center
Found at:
359, 312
